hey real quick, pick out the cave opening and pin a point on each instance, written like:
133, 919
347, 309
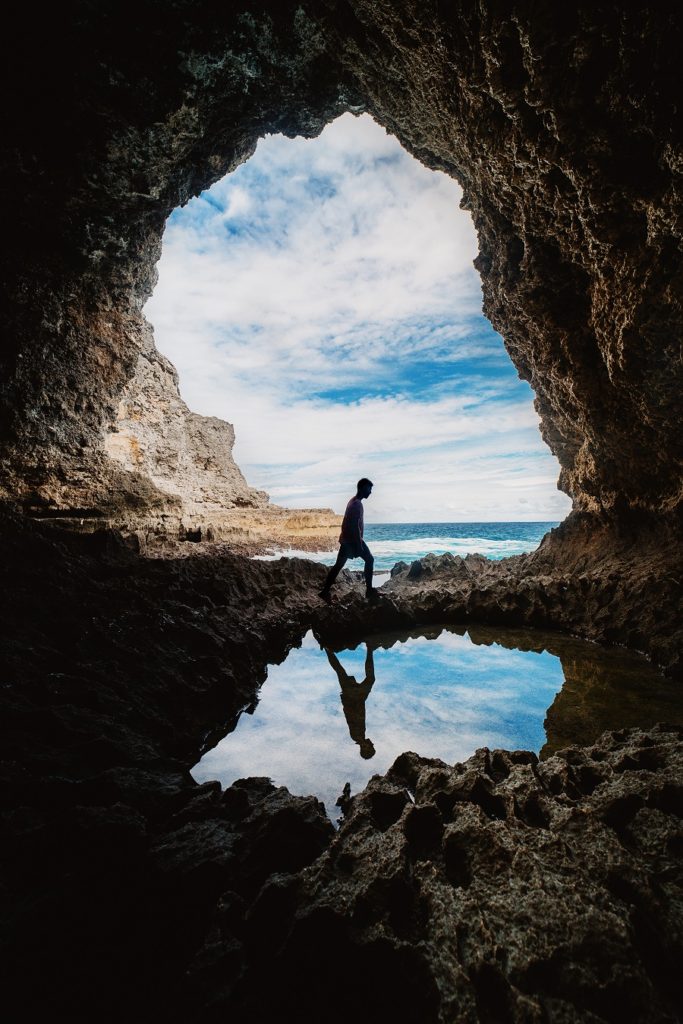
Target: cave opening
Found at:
322, 298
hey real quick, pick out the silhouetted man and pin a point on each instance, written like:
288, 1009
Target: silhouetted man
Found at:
353, 698
351, 543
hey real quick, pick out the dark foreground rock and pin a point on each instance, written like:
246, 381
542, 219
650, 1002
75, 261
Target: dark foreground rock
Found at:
508, 888
501, 889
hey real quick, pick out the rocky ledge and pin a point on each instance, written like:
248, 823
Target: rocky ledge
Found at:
586, 579
172, 478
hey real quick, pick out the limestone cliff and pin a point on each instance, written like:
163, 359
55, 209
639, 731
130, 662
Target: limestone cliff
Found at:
184, 454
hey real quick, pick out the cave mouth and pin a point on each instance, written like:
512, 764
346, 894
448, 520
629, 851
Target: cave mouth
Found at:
566, 176
327, 717
322, 298
562, 124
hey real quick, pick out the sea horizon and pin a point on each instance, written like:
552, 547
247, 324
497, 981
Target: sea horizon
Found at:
405, 542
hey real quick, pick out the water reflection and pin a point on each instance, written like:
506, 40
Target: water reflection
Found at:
442, 692
353, 698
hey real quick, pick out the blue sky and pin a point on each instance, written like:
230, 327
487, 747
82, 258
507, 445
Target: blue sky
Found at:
322, 299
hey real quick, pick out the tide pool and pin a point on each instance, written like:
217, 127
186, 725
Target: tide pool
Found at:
325, 717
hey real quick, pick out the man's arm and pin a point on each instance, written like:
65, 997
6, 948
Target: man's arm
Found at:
342, 676
356, 516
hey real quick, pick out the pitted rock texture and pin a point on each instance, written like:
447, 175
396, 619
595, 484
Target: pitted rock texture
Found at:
132, 892
560, 124
501, 889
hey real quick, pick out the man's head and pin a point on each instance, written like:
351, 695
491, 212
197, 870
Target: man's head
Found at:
364, 487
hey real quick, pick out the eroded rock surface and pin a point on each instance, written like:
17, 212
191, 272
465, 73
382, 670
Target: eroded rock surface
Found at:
185, 454
188, 458
562, 126
501, 889
132, 891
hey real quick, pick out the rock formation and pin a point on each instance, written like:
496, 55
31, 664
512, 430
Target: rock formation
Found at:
444, 897
562, 129
131, 892
185, 454
188, 459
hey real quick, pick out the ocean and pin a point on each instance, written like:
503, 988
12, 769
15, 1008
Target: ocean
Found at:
405, 542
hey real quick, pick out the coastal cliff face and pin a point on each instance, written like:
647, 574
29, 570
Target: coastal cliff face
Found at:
134, 893
187, 459
184, 454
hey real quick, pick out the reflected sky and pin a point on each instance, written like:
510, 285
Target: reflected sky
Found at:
441, 697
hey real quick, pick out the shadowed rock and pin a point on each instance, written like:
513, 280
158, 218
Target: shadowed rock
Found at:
455, 904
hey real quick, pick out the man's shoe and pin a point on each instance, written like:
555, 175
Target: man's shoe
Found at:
326, 595
372, 596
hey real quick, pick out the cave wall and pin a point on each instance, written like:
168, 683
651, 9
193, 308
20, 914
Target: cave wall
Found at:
560, 123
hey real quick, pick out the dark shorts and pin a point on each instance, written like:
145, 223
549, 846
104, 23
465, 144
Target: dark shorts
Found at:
348, 550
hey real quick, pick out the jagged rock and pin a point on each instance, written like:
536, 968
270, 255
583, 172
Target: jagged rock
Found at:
188, 457
184, 454
563, 585
498, 889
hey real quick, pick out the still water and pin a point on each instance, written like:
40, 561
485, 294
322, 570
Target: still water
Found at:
325, 718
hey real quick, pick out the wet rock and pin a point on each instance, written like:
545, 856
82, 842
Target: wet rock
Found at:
563, 585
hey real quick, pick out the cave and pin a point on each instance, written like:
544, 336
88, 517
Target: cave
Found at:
501, 889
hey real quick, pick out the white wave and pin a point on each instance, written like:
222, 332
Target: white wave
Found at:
315, 556
420, 546
388, 552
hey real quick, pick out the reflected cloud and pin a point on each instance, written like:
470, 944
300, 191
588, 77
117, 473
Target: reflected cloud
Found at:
442, 693
442, 697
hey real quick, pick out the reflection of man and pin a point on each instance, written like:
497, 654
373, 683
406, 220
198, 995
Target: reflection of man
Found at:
353, 698
351, 543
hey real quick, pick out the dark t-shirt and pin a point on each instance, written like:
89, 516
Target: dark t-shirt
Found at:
352, 523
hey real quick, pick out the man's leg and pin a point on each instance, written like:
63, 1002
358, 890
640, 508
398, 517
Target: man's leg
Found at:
334, 571
369, 565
